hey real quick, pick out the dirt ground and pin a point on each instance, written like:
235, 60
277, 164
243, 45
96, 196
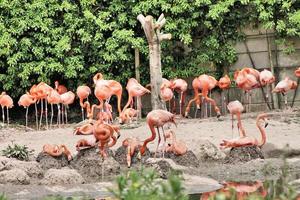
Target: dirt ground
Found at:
283, 136
283, 129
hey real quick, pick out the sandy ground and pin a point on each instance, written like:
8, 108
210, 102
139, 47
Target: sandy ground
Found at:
283, 129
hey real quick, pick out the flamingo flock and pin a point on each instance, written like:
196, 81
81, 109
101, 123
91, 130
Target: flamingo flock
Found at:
105, 134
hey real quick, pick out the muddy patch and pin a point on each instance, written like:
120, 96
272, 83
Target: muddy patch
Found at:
243, 154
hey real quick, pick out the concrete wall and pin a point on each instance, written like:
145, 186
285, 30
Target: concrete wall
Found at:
257, 42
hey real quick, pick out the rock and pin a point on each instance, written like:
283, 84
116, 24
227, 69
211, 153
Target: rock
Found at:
121, 153
243, 154
189, 159
91, 165
32, 168
163, 166
62, 176
207, 151
47, 162
14, 176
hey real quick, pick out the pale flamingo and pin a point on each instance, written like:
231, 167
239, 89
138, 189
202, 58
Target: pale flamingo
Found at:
127, 115
247, 79
6, 101
176, 146
83, 92
224, 84
180, 86
67, 99
204, 83
26, 100
33, 92
157, 119
236, 108
166, 93
105, 89
54, 98
247, 140
132, 144
284, 86
266, 79
42, 91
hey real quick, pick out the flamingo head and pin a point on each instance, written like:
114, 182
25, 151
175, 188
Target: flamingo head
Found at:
56, 83
294, 85
97, 77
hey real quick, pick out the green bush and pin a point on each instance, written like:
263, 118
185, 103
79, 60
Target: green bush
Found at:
3, 197
146, 185
17, 151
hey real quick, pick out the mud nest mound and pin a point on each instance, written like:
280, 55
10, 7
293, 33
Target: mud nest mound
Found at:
243, 154
92, 166
47, 162
121, 156
189, 159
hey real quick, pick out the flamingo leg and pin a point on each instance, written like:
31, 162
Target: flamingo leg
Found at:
46, 113
26, 116
157, 143
82, 112
58, 115
285, 101
42, 108
62, 114
250, 95
36, 117
210, 105
232, 126
52, 113
164, 144
7, 113
66, 113
213, 102
2, 114
180, 103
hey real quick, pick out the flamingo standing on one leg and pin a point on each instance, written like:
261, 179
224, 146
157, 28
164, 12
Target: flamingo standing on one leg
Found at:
157, 119
204, 83
54, 98
83, 92
135, 89
236, 108
67, 99
284, 86
6, 101
224, 84
247, 79
26, 100
105, 89
266, 79
180, 86
249, 141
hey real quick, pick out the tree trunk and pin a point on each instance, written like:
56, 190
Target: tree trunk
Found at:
154, 37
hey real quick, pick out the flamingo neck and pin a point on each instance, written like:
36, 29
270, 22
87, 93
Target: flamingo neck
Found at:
263, 134
143, 148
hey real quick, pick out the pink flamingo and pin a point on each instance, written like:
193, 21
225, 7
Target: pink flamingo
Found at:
236, 108
67, 99
54, 98
6, 101
224, 84
83, 92
284, 86
26, 100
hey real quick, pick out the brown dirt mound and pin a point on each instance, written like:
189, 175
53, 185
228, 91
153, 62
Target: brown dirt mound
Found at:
243, 154
121, 152
92, 167
47, 162
189, 159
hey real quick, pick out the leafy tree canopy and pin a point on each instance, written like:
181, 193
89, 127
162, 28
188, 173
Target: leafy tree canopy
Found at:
71, 40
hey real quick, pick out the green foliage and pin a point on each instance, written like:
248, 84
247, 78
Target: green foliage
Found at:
3, 197
17, 151
48, 40
146, 185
